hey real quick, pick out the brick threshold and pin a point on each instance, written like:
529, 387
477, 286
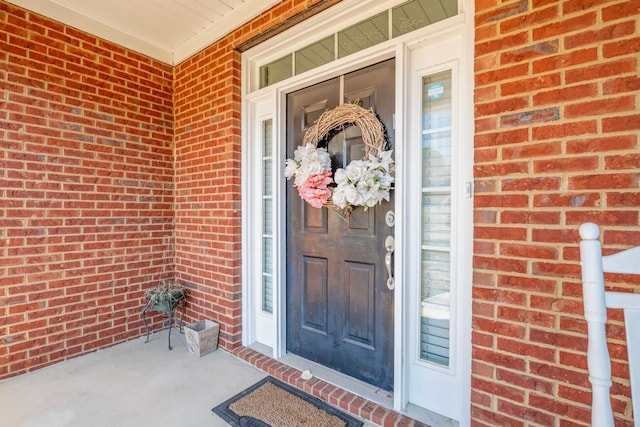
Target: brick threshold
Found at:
336, 396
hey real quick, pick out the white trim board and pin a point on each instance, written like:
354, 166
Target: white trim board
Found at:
186, 42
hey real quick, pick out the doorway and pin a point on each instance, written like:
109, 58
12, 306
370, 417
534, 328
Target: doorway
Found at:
339, 308
289, 292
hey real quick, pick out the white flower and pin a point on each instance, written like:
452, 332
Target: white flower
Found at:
371, 201
338, 197
307, 160
352, 195
302, 152
385, 160
385, 181
362, 183
369, 180
365, 182
290, 168
340, 177
310, 154
355, 170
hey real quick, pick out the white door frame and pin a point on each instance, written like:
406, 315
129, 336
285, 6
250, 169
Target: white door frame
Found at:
446, 53
268, 329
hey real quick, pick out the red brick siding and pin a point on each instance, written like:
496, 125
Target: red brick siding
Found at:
556, 145
208, 175
322, 390
86, 189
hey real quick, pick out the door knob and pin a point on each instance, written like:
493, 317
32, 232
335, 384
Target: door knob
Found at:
390, 246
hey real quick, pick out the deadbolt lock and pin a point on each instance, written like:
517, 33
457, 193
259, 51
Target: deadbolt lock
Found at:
390, 218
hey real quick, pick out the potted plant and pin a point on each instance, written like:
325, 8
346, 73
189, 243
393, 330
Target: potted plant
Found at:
165, 297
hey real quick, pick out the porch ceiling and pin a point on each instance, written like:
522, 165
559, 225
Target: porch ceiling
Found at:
167, 30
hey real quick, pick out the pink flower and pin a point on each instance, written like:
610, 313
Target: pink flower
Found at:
314, 189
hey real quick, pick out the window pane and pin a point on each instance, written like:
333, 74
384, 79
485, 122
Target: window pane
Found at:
267, 137
435, 291
437, 230
435, 303
435, 274
268, 177
267, 259
276, 71
316, 54
416, 14
267, 294
364, 34
434, 345
436, 130
267, 216
405, 18
436, 156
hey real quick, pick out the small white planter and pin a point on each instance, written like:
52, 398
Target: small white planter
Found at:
202, 337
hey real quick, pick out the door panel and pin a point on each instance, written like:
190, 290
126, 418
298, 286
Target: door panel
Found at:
315, 294
360, 286
339, 309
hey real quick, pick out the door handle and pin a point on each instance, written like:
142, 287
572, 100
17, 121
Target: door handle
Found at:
390, 246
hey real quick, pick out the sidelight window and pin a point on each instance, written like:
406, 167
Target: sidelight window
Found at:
267, 215
436, 219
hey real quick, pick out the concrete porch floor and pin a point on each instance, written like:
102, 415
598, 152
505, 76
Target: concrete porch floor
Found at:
130, 384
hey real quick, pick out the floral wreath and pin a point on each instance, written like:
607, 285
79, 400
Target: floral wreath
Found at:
364, 182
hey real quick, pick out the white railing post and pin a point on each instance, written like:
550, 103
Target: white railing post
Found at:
595, 312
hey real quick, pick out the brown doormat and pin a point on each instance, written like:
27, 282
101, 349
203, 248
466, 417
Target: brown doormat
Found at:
273, 403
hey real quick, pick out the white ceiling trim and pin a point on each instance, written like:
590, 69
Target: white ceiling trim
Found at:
232, 21
177, 50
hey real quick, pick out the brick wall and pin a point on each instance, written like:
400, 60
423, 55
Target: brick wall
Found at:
556, 145
208, 176
86, 189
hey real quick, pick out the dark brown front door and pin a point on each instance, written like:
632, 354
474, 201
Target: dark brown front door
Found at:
339, 308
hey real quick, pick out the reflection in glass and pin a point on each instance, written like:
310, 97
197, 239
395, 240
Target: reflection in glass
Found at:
364, 34
266, 138
267, 254
436, 231
435, 291
416, 14
267, 289
406, 17
268, 217
267, 214
316, 54
276, 71
268, 176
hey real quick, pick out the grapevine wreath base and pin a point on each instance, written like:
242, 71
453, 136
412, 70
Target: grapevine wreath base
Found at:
365, 182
